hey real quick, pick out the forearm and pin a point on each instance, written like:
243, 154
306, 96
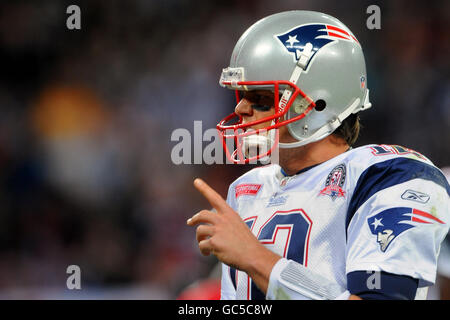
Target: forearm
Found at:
260, 266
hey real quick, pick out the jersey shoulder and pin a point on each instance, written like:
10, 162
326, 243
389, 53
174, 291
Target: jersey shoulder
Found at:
254, 184
376, 167
392, 164
258, 175
368, 155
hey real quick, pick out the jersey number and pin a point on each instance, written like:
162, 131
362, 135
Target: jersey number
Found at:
287, 234
383, 150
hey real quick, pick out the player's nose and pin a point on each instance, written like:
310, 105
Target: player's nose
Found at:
244, 108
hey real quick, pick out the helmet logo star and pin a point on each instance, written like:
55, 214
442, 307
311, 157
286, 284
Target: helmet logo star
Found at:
376, 223
292, 40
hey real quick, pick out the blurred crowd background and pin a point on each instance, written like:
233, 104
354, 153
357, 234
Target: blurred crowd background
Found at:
86, 117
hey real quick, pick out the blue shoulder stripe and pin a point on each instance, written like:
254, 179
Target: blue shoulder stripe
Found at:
389, 173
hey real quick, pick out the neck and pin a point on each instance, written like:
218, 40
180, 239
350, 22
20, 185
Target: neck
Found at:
295, 159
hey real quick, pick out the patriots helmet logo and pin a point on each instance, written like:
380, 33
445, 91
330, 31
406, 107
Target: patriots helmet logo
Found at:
318, 35
390, 223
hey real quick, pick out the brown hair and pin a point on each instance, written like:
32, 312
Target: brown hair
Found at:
349, 129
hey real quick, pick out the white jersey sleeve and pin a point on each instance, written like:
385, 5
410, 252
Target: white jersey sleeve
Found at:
397, 218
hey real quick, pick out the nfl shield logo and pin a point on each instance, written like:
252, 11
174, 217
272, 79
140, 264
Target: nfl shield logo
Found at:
363, 82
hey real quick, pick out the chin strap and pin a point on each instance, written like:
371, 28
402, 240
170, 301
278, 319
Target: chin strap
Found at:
300, 66
326, 130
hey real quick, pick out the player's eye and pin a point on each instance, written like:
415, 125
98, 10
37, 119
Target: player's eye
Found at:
259, 102
261, 107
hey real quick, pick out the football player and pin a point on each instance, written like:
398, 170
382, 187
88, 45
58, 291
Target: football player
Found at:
328, 221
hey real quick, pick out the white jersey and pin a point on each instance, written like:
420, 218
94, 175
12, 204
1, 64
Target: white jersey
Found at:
373, 208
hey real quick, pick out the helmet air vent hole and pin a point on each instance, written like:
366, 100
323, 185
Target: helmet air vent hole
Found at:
320, 105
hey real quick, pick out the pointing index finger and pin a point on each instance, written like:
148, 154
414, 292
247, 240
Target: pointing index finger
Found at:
210, 194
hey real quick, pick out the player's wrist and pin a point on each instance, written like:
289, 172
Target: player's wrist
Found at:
260, 266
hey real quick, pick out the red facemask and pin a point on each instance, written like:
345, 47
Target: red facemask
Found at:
237, 131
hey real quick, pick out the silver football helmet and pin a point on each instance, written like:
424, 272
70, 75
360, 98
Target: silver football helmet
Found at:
312, 62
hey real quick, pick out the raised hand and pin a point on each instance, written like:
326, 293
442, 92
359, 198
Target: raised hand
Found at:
224, 234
